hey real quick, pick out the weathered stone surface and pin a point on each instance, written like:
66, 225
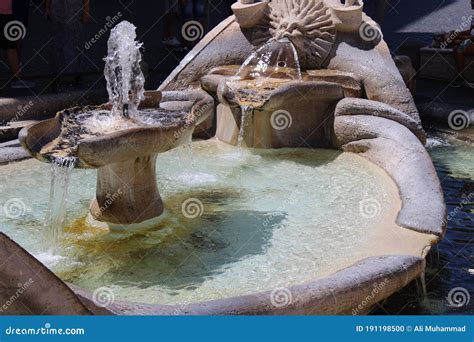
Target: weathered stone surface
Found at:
340, 293
12, 151
29, 288
297, 114
394, 148
249, 14
407, 71
350, 83
226, 44
368, 107
126, 158
378, 72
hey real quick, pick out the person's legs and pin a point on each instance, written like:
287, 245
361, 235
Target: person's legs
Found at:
13, 62
169, 26
199, 7
57, 32
7, 44
169, 38
21, 11
187, 10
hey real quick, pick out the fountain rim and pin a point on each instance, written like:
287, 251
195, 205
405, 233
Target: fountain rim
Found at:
201, 100
313, 297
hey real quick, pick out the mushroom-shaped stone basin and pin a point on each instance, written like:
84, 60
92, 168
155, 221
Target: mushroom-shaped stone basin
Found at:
286, 113
122, 148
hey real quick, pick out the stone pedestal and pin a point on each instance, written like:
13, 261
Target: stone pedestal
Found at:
127, 192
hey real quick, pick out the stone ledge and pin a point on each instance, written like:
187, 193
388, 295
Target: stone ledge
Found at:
395, 149
339, 293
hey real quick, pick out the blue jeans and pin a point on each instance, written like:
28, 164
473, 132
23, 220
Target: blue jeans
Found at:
193, 9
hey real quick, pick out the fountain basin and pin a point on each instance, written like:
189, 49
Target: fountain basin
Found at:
123, 150
293, 114
245, 250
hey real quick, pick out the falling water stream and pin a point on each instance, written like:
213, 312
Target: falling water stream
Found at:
275, 63
60, 175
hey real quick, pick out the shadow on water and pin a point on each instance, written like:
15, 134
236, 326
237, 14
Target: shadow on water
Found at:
450, 264
301, 156
179, 252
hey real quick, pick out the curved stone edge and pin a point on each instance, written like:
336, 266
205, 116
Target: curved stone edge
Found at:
394, 148
42, 292
356, 106
124, 145
223, 45
353, 290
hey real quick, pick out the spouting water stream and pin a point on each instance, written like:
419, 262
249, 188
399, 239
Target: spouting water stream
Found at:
125, 80
125, 85
275, 63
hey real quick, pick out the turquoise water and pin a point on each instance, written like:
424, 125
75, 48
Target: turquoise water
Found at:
236, 221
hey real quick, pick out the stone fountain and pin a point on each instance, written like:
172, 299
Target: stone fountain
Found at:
122, 138
283, 74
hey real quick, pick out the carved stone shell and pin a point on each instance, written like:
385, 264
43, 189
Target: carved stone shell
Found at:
307, 23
